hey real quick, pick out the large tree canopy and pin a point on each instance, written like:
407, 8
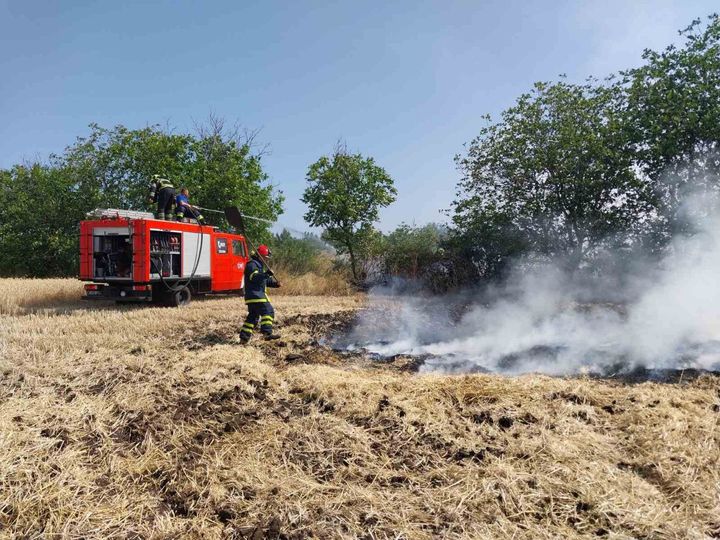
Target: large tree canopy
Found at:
42, 204
216, 165
570, 168
555, 172
39, 211
673, 120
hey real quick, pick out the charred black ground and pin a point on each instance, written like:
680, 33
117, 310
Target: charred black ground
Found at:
341, 336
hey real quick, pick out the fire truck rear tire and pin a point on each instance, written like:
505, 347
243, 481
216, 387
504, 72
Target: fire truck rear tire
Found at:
180, 298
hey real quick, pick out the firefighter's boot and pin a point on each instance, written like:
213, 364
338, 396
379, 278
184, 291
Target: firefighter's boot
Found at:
271, 337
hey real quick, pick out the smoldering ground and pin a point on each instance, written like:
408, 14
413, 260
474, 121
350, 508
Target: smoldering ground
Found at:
656, 315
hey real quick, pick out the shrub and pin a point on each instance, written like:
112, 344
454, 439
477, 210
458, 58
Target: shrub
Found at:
296, 255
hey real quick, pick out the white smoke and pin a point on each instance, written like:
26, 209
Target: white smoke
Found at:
537, 324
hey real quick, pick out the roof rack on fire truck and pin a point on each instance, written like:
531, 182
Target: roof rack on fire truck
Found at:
113, 213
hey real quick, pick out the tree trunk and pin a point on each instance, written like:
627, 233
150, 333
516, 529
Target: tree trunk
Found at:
353, 266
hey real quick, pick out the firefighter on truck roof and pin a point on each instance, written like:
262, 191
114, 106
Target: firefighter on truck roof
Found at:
185, 210
162, 192
257, 278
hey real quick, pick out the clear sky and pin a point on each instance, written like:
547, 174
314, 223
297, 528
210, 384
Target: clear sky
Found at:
403, 81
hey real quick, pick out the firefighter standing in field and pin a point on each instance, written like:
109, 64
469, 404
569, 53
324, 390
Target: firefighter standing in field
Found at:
257, 278
162, 192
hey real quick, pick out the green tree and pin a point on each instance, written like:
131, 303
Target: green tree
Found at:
296, 255
483, 243
218, 166
555, 172
673, 120
344, 195
42, 204
113, 167
40, 209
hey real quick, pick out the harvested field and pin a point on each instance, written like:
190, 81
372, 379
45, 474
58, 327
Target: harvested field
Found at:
141, 422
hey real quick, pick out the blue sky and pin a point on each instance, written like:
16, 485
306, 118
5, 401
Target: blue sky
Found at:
403, 81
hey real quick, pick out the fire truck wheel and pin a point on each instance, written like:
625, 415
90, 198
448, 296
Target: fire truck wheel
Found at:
181, 297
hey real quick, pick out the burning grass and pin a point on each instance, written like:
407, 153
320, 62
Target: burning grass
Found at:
155, 423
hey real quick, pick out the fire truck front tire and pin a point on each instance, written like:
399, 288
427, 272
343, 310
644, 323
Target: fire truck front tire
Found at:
180, 298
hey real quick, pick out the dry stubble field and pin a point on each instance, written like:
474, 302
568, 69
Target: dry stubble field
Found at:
138, 422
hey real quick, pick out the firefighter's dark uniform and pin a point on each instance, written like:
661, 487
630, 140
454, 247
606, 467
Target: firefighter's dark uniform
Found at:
257, 279
162, 192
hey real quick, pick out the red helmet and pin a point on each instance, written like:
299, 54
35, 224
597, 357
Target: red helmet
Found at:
263, 250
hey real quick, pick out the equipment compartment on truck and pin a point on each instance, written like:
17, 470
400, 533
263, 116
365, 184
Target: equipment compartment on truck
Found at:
112, 256
165, 254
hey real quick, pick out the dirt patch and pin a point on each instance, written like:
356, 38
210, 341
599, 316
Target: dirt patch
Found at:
324, 325
60, 436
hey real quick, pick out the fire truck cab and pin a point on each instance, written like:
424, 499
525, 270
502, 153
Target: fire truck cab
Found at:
131, 257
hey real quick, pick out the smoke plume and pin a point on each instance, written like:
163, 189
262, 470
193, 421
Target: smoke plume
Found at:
665, 316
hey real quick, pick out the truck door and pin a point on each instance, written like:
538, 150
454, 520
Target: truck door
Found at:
240, 257
229, 257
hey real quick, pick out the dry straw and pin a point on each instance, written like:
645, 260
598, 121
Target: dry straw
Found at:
143, 422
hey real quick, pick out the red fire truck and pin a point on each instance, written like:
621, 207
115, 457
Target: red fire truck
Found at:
131, 257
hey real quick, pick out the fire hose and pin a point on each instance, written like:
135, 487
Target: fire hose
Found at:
237, 220
179, 286
245, 216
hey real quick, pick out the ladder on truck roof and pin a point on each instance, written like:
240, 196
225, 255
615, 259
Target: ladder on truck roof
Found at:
111, 213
